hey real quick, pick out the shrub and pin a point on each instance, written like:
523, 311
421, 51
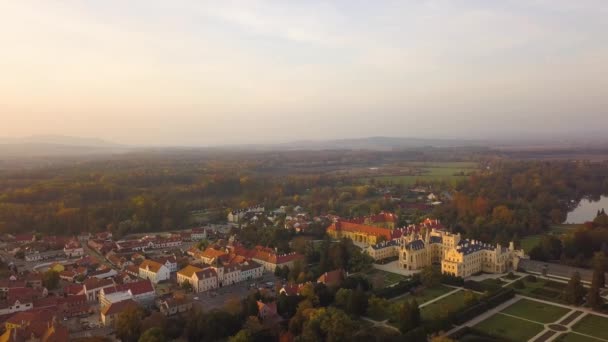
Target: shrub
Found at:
518, 284
530, 278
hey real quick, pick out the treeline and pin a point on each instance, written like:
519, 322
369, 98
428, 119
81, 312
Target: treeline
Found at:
513, 199
129, 196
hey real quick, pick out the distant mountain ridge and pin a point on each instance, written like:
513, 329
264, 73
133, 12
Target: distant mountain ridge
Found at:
59, 140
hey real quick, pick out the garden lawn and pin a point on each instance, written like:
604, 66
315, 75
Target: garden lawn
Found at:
542, 289
427, 294
593, 325
451, 303
536, 311
530, 242
389, 277
508, 327
574, 337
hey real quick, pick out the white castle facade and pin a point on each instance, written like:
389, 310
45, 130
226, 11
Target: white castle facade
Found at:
457, 256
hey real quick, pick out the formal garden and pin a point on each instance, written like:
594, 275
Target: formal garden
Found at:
532, 286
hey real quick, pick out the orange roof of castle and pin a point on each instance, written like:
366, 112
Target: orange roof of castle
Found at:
360, 228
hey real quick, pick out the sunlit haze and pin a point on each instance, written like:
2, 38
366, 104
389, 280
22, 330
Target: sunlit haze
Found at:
206, 72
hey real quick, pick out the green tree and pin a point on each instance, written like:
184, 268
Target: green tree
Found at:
377, 307
50, 279
430, 276
328, 324
357, 302
594, 300
128, 324
186, 286
574, 291
600, 266
342, 297
152, 335
242, 336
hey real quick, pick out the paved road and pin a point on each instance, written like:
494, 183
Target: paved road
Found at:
208, 301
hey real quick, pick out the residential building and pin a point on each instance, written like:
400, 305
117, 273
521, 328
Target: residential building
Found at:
198, 234
141, 291
267, 257
170, 262
174, 306
333, 278
73, 249
156, 272
109, 313
267, 311
92, 287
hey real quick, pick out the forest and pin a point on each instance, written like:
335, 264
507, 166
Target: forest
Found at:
512, 199
160, 191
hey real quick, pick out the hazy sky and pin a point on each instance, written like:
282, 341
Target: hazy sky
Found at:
214, 72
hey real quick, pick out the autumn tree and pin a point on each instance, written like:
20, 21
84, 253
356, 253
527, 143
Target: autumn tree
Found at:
128, 324
574, 291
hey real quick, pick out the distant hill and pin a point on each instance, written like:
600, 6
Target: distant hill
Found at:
57, 145
370, 143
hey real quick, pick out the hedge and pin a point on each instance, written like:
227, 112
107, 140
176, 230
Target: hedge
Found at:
398, 289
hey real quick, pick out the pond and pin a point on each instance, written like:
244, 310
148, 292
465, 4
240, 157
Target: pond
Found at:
586, 210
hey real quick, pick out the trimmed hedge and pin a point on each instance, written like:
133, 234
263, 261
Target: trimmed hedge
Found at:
452, 280
485, 304
398, 289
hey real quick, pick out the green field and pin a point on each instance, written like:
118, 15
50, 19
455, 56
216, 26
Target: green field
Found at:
427, 294
542, 289
536, 311
389, 277
593, 325
529, 242
508, 327
574, 337
451, 303
429, 172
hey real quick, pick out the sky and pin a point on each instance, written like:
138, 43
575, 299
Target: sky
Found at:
147, 72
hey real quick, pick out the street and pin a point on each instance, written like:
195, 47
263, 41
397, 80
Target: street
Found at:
209, 301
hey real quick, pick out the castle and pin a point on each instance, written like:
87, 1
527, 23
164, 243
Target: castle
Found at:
418, 248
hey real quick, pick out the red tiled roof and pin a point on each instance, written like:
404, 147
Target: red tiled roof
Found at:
331, 277
208, 272
137, 288
151, 265
73, 289
360, 228
118, 307
94, 283
24, 317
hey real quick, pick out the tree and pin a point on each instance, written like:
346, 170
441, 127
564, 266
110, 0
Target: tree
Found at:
430, 276
574, 291
404, 314
328, 324
599, 268
186, 286
152, 335
469, 298
128, 324
242, 336
342, 297
415, 315
202, 245
50, 279
594, 300
593, 296
377, 307
357, 302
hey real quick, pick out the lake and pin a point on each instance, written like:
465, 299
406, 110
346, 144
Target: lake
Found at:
587, 210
